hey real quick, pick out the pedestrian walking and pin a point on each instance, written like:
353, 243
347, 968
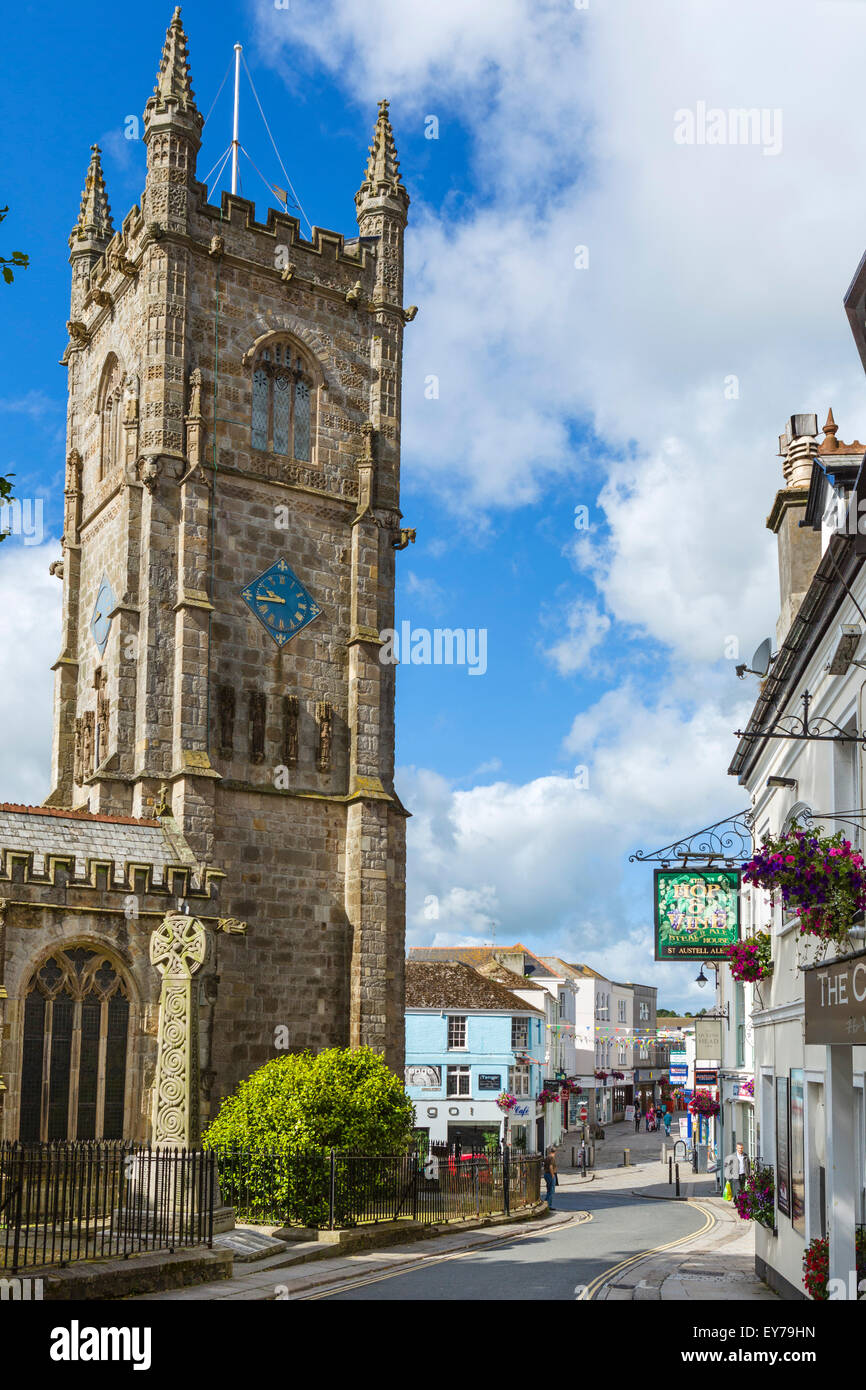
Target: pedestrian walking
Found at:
667, 1124
650, 1119
550, 1175
637, 1119
738, 1167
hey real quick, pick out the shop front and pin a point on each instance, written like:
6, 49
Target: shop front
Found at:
474, 1124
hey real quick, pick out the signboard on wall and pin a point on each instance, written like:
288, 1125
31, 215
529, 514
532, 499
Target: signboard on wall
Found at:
697, 913
490, 1081
836, 1001
428, 1078
783, 1148
708, 1039
706, 1077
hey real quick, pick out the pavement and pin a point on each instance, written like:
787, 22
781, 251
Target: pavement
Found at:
618, 1234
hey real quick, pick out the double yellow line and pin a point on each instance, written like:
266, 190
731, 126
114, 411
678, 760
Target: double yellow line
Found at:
424, 1262
598, 1283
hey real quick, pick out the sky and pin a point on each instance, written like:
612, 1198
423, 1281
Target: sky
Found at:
619, 308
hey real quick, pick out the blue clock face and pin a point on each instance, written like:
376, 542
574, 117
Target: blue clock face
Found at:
100, 622
280, 602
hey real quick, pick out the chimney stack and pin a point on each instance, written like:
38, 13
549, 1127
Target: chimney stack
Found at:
799, 547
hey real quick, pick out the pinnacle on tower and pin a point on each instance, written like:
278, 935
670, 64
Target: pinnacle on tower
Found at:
94, 225
382, 174
172, 79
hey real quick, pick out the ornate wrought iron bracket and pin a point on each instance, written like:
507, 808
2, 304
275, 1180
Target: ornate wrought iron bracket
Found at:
855, 817
723, 845
792, 726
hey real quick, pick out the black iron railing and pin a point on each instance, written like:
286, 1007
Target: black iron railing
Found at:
329, 1190
80, 1201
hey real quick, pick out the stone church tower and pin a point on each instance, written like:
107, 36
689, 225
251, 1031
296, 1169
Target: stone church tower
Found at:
231, 527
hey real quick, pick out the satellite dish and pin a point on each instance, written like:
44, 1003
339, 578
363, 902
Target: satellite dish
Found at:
761, 659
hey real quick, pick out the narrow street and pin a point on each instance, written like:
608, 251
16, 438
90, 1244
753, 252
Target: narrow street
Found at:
548, 1262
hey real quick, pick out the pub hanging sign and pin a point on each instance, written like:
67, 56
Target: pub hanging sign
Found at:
697, 913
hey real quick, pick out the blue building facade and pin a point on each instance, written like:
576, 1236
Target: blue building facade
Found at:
461, 1056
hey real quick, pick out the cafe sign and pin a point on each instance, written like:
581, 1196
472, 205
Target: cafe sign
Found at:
836, 1001
697, 913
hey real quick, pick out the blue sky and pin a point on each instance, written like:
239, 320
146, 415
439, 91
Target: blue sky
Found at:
559, 386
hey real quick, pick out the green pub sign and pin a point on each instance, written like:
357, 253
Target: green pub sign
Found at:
697, 913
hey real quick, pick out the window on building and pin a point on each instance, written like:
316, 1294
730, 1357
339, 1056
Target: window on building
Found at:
621, 1010
459, 1081
73, 1069
519, 1080
110, 408
644, 1009
519, 1032
457, 1031
282, 395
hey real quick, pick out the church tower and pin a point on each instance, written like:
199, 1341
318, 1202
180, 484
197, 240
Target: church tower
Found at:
231, 528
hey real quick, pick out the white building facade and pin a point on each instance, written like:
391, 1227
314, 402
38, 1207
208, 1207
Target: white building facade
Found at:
807, 1118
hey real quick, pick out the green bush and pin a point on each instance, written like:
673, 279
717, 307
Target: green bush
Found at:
340, 1099
273, 1134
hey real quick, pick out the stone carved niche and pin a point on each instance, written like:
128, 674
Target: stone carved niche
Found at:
258, 710
195, 384
84, 747
324, 718
100, 682
226, 716
291, 711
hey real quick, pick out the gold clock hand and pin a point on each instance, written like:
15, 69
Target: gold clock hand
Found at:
272, 598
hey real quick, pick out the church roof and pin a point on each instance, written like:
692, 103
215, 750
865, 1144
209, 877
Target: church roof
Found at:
453, 985
48, 831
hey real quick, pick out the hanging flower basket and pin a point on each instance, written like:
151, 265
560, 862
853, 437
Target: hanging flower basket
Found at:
601, 1076
704, 1103
751, 960
757, 1201
547, 1097
747, 1087
820, 877
506, 1101
618, 1075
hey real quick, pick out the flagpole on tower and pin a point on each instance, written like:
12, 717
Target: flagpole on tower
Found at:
235, 142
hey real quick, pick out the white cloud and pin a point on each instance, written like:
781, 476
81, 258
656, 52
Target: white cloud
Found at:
705, 263
546, 860
585, 627
30, 605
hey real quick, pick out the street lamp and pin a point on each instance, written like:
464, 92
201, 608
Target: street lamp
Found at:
702, 979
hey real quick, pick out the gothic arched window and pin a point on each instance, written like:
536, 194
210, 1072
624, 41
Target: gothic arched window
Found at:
110, 408
76, 1031
282, 403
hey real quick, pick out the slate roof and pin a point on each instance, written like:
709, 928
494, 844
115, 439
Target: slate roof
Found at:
454, 985
474, 955
47, 830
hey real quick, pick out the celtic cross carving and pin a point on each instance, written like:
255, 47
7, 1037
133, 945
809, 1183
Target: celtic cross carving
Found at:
179, 946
